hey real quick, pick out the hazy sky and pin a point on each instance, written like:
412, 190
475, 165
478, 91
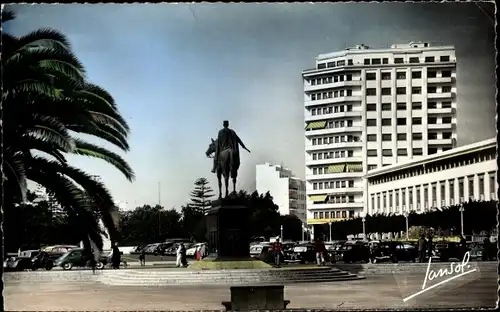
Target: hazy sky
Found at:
178, 70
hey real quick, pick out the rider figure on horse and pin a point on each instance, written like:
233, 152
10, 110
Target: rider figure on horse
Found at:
226, 139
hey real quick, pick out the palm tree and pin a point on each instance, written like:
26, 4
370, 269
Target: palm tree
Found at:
47, 104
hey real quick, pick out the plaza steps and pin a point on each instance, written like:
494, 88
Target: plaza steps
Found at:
223, 277
366, 269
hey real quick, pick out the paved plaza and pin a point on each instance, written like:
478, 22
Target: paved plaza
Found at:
478, 289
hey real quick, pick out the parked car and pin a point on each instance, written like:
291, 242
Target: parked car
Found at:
264, 253
44, 260
447, 250
394, 251
58, 249
77, 258
475, 251
355, 252
21, 262
303, 253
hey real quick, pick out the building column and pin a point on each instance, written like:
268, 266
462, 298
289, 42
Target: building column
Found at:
496, 184
414, 195
486, 181
394, 201
466, 188
456, 196
476, 187
400, 201
447, 193
429, 195
407, 199
438, 194
422, 198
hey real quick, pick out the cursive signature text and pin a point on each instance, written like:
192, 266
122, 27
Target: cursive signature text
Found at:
455, 270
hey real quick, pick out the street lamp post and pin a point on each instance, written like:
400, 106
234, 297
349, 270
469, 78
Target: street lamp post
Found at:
406, 217
364, 228
281, 232
303, 232
330, 226
461, 219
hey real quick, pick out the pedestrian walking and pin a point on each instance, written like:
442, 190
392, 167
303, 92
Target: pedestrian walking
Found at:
197, 253
463, 246
183, 256
203, 251
142, 257
179, 256
421, 248
276, 247
487, 249
116, 257
320, 251
429, 246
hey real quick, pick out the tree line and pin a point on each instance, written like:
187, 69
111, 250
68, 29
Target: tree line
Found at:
478, 217
37, 224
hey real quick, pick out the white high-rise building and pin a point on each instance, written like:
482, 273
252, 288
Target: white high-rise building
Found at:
288, 192
368, 108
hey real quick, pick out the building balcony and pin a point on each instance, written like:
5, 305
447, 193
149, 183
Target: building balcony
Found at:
334, 206
354, 98
333, 115
331, 161
324, 221
309, 88
355, 129
442, 111
441, 141
441, 126
331, 176
311, 148
292, 194
445, 95
336, 191
439, 80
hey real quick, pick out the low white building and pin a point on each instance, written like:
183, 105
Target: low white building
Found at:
448, 178
288, 191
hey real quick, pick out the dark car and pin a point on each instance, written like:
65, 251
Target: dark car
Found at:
78, 258
288, 250
303, 253
448, 250
355, 252
44, 260
21, 262
394, 251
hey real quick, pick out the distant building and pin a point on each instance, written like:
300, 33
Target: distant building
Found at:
288, 192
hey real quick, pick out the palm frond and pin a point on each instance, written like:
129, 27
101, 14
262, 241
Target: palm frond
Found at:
50, 129
91, 150
48, 147
7, 15
102, 132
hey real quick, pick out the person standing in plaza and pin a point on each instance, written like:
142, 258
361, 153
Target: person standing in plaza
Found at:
276, 248
179, 255
429, 246
320, 251
116, 257
183, 256
421, 248
203, 251
142, 257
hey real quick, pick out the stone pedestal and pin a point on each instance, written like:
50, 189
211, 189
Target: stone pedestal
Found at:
227, 230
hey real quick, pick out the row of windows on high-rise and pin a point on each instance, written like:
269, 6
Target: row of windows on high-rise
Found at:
328, 185
332, 155
330, 79
402, 121
387, 137
335, 139
333, 214
404, 106
384, 61
330, 94
323, 110
401, 75
402, 90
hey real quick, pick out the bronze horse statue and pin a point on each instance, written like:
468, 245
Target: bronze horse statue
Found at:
228, 164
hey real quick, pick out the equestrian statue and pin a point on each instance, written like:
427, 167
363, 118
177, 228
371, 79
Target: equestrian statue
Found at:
226, 154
